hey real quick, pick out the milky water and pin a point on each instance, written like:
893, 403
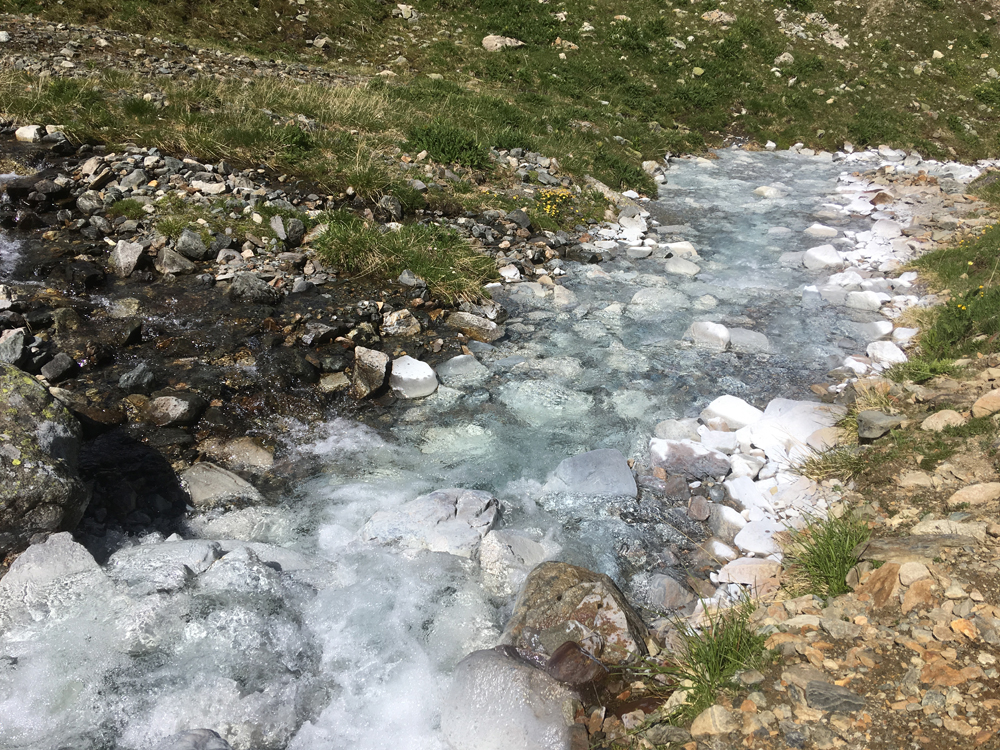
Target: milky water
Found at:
312, 639
9, 253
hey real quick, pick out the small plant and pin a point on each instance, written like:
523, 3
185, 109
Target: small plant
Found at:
714, 654
818, 557
129, 208
843, 463
448, 144
920, 369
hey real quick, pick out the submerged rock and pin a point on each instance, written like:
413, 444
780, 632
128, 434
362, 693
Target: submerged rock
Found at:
211, 486
452, 520
561, 602
40, 488
499, 702
600, 472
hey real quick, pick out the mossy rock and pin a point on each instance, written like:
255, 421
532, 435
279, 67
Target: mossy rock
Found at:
40, 489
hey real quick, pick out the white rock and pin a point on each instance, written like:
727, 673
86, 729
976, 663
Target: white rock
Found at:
904, 335
746, 466
495, 42
752, 571
709, 335
725, 522
451, 520
510, 273
734, 411
757, 536
681, 249
677, 429
724, 442
820, 230
885, 353
770, 146
767, 191
681, 267
822, 256
866, 300
411, 378
29, 133
746, 495
887, 229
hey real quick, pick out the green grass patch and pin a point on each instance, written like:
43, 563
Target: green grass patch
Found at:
448, 143
129, 208
818, 557
714, 654
450, 266
920, 369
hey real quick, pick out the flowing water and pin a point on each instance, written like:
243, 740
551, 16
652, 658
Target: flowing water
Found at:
304, 637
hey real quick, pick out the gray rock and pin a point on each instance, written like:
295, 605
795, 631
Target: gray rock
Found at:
507, 557
40, 489
408, 278
451, 520
499, 702
371, 371
89, 202
920, 548
211, 486
139, 380
520, 218
136, 178
560, 602
176, 409
750, 342
392, 206
666, 593
874, 424
665, 734
689, 458
295, 231
725, 522
14, 347
59, 367
600, 472
125, 257
278, 227
193, 739
840, 629
247, 287
826, 696
191, 245
170, 261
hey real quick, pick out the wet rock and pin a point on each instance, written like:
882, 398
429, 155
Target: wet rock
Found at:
574, 666
40, 488
411, 378
125, 257
211, 486
59, 368
90, 202
506, 557
475, 327
190, 245
43, 565
561, 602
688, 458
249, 288
286, 368
707, 335
371, 371
600, 472
874, 424
462, 371
193, 739
714, 721
499, 702
177, 408
451, 520
141, 379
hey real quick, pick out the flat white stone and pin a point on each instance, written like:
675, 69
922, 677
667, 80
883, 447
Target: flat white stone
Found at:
820, 230
822, 256
734, 411
682, 249
885, 353
681, 267
757, 537
866, 300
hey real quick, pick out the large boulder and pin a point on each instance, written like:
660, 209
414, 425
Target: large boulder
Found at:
371, 370
452, 520
600, 472
561, 602
211, 486
499, 702
40, 489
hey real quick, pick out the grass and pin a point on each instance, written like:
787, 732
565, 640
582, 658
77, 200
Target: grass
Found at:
870, 395
450, 266
818, 557
714, 654
844, 463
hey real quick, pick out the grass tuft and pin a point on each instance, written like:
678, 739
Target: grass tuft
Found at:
450, 266
818, 557
715, 654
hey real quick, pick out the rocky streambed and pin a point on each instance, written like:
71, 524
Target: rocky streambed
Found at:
316, 578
